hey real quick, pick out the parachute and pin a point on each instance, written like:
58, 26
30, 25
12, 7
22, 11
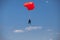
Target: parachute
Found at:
29, 5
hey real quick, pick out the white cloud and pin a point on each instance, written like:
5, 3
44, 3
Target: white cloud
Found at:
32, 28
18, 30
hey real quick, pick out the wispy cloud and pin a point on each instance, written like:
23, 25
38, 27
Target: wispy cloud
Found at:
19, 31
50, 39
57, 33
32, 28
49, 30
46, 1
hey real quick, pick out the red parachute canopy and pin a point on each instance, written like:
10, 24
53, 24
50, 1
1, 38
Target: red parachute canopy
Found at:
29, 5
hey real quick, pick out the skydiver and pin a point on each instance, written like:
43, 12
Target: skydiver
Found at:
29, 22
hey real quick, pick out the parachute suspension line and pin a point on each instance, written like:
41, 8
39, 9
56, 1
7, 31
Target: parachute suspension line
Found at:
29, 19
29, 14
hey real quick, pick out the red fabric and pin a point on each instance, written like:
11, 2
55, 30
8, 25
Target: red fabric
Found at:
29, 5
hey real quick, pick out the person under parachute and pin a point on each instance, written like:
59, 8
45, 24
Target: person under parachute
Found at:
29, 22
29, 6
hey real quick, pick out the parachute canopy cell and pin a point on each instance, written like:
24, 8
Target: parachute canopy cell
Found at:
29, 5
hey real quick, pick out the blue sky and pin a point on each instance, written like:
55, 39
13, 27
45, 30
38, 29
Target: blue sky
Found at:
44, 19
